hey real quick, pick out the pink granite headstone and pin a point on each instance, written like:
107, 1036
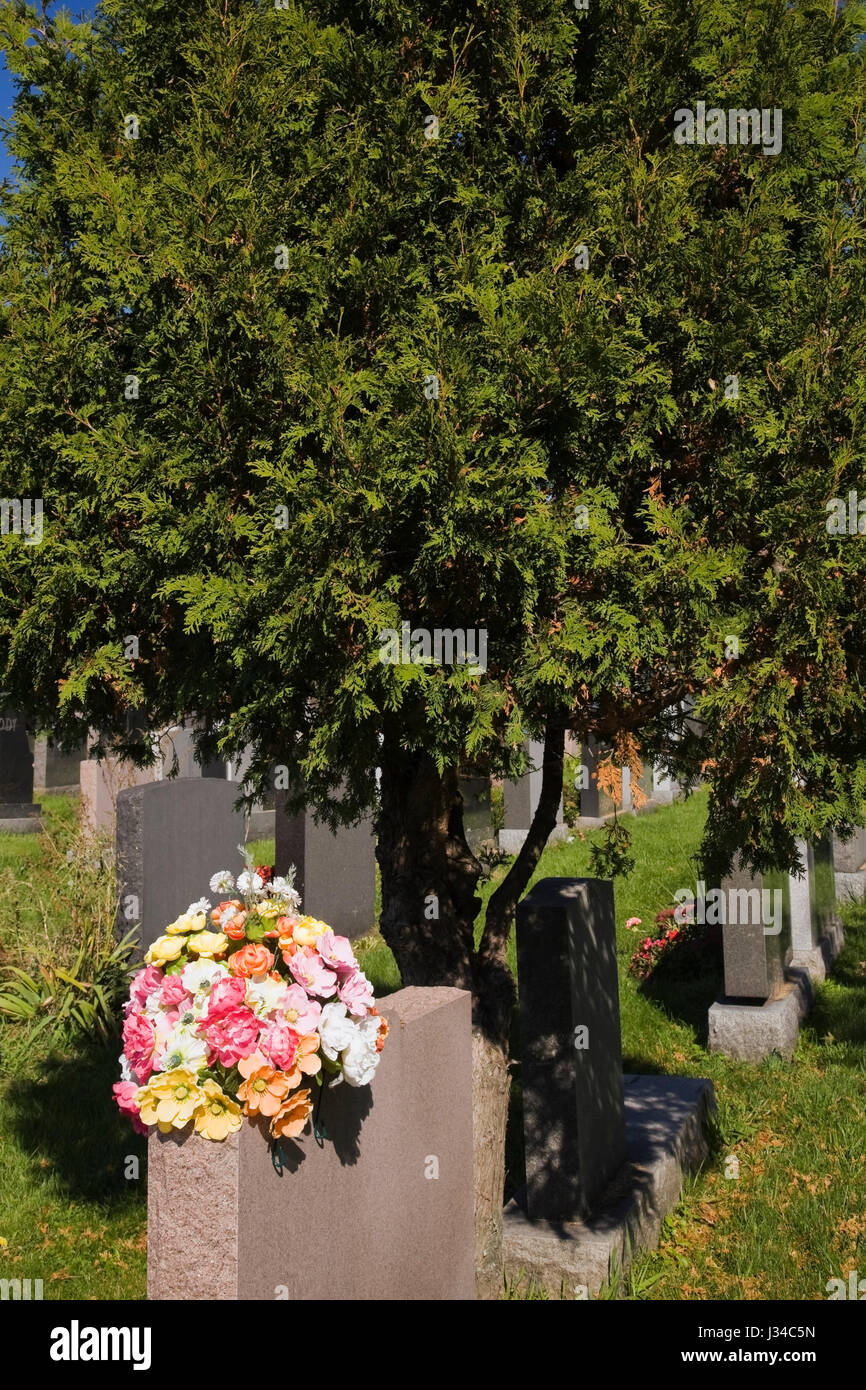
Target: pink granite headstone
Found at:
383, 1209
100, 780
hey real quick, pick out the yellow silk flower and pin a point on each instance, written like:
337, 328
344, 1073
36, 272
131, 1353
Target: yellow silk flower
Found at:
218, 1115
308, 931
163, 950
207, 944
186, 923
169, 1099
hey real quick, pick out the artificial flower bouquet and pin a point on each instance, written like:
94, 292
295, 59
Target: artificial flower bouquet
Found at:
240, 1009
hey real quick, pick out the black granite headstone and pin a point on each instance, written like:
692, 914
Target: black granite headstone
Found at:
590, 796
571, 1064
756, 933
172, 837
18, 812
335, 872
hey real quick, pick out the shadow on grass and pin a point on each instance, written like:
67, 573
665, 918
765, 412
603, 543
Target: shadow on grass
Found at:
686, 982
66, 1115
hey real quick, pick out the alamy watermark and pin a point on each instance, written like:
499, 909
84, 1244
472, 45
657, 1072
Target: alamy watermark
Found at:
846, 519
77, 1343
735, 127
22, 516
20, 1289
445, 646
855, 1288
730, 907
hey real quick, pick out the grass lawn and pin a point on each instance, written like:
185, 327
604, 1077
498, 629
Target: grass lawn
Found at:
793, 1217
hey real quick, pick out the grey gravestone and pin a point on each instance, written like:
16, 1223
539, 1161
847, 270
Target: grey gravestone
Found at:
172, 837
335, 871
595, 803
850, 857
56, 770
573, 1109
816, 931
801, 893
755, 958
18, 812
520, 802
262, 819
590, 797
179, 743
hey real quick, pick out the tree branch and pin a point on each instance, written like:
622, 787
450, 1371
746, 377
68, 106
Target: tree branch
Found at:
503, 903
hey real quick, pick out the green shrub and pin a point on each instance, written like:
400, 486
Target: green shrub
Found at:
65, 974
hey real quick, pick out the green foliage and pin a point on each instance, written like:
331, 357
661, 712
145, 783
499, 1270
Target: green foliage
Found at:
70, 974
296, 380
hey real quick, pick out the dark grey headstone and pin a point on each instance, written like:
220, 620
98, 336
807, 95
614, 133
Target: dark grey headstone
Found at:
335, 871
172, 836
19, 814
573, 1117
755, 955
520, 798
56, 769
590, 796
16, 759
218, 769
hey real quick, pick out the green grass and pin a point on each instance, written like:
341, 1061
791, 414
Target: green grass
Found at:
796, 1215
72, 1210
793, 1218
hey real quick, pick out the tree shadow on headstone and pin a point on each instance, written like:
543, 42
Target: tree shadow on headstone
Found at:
66, 1120
515, 1148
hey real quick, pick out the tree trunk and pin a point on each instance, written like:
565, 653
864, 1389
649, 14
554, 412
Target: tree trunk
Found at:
427, 866
429, 906
491, 1085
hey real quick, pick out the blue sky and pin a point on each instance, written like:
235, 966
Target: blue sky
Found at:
78, 9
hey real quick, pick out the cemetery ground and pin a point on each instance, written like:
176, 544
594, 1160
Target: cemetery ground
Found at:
779, 1208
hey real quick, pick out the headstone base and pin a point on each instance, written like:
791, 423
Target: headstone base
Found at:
597, 822
817, 961
20, 818
753, 1032
511, 841
666, 1118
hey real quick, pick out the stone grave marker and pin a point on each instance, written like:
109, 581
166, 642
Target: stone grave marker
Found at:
19, 814
520, 802
382, 1210
55, 770
765, 999
335, 870
571, 1063
477, 812
755, 952
172, 836
849, 862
